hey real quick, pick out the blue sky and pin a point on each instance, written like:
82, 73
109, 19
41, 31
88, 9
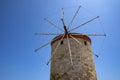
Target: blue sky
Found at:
20, 19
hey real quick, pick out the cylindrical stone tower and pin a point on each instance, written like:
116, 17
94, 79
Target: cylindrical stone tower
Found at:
83, 64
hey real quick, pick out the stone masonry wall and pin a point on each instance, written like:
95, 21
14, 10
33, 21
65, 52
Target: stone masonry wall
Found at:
83, 65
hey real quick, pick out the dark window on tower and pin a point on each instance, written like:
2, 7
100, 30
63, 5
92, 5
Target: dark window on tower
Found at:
85, 43
61, 42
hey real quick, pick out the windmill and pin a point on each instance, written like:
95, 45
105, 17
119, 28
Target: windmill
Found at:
71, 54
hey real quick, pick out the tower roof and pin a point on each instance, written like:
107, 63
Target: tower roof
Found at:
75, 35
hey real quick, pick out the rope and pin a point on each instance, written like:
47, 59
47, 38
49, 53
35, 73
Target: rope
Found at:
103, 41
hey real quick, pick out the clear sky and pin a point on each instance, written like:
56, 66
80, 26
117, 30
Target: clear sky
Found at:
20, 19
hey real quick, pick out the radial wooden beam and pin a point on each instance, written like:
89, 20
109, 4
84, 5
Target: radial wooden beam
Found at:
74, 17
95, 34
63, 15
47, 33
55, 49
84, 23
42, 46
69, 48
92, 34
53, 24
75, 39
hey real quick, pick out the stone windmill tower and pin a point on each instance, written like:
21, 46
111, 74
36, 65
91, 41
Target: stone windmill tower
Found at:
71, 54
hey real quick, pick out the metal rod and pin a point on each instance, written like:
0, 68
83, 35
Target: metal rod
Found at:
69, 51
84, 23
74, 17
55, 49
53, 24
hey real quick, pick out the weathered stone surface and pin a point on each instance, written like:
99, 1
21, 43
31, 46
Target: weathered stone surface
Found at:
83, 64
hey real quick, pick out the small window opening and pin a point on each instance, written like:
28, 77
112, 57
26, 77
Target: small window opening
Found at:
85, 43
61, 42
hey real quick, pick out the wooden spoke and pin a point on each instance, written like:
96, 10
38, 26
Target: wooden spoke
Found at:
84, 24
53, 24
74, 17
47, 33
75, 39
55, 49
95, 34
42, 46
92, 34
71, 61
63, 15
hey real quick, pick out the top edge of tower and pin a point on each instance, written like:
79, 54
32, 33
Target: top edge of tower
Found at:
75, 35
